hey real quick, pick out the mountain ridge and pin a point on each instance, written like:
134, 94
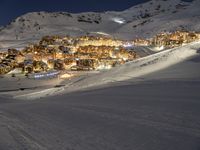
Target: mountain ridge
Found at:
143, 20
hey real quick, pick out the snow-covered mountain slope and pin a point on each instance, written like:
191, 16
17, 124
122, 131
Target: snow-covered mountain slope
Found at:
131, 70
144, 20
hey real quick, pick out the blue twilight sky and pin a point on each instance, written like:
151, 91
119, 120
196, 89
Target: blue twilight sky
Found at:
10, 9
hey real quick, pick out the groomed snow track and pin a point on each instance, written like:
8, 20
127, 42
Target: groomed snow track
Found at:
136, 68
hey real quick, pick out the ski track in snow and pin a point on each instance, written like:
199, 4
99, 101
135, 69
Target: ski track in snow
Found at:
136, 68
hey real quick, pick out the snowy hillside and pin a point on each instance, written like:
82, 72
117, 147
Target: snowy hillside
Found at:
150, 103
144, 20
131, 70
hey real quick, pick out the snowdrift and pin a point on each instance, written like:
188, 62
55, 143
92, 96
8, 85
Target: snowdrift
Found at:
130, 70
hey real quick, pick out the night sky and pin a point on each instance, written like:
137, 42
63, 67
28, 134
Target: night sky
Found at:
10, 9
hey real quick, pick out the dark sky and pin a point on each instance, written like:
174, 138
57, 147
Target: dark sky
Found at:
10, 9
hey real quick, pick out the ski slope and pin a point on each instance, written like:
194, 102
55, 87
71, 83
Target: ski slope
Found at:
130, 70
148, 104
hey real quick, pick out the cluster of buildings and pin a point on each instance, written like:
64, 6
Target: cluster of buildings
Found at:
83, 53
169, 40
9, 60
66, 53
175, 39
99, 41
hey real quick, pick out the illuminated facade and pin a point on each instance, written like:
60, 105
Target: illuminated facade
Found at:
170, 40
83, 53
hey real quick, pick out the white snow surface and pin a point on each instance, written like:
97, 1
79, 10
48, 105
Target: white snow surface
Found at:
143, 20
151, 103
130, 70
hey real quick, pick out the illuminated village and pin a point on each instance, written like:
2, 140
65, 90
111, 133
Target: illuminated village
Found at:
66, 53
84, 53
